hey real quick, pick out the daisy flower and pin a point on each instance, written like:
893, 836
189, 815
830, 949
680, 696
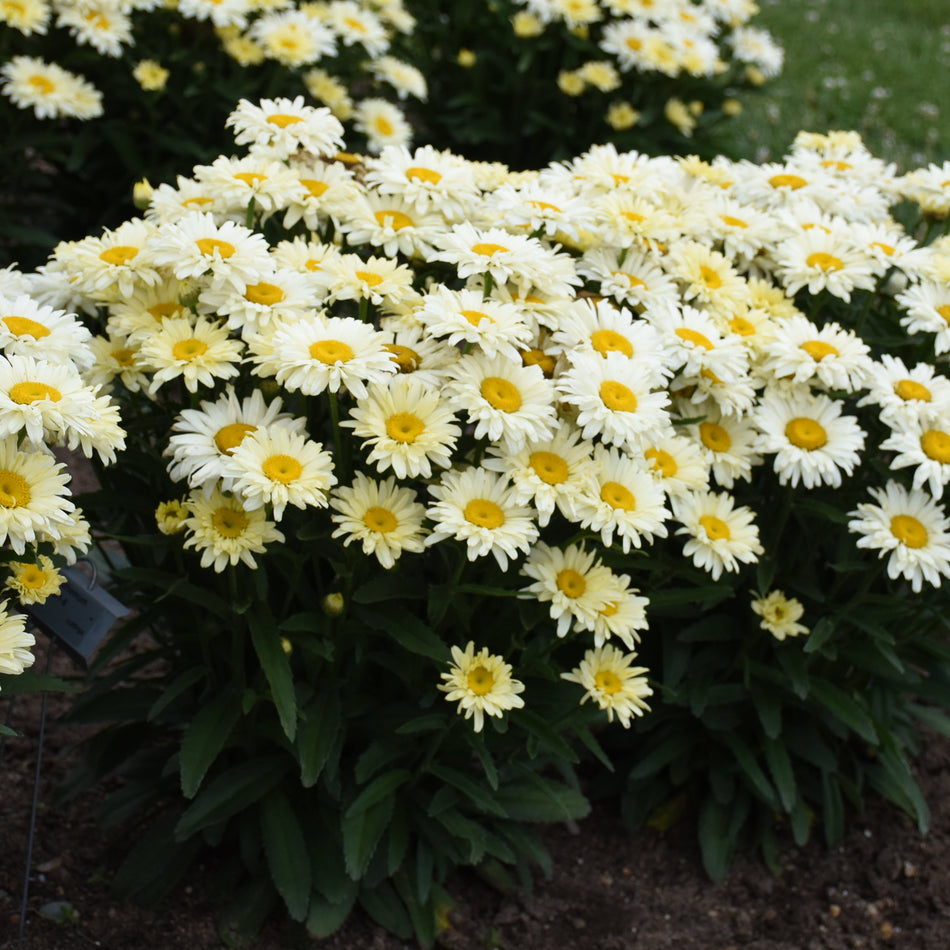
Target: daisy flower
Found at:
623, 498
256, 180
408, 426
677, 464
727, 443
506, 400
103, 26
610, 679
116, 264
464, 316
292, 37
203, 439
15, 642
198, 353
382, 123
48, 89
196, 245
637, 280
115, 357
355, 23
801, 352
780, 615
279, 467
613, 399
698, 346
391, 224
625, 614
317, 353
721, 536
28, 328
171, 517
707, 277
281, 126
811, 439
909, 526
481, 683
381, 280
820, 260
926, 446
573, 581
907, 396
548, 474
225, 532
928, 311
417, 354
405, 79
383, 517
33, 496
478, 507
34, 581
26, 16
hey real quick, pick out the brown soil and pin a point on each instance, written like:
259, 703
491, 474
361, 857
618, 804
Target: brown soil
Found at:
886, 886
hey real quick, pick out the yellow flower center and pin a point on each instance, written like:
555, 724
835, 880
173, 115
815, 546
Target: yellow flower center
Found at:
571, 583
818, 349
229, 437
213, 246
618, 496
266, 294
479, 680
936, 446
909, 531
383, 125
617, 397
32, 576
475, 317
124, 356
397, 220
608, 682
715, 437
404, 427
549, 467
14, 490
787, 181
501, 394
484, 513
537, 357
119, 255
695, 337
711, 278
24, 326
331, 351
315, 187
251, 179
806, 433
609, 341
282, 120
733, 222
663, 462
823, 261
27, 392
189, 349
629, 279
229, 522
198, 200
545, 206
404, 357
887, 249
716, 528
742, 326
910, 389
368, 277
632, 216
42, 84
944, 311
635, 45
610, 609
487, 250
415, 173
282, 468
837, 164
161, 310
381, 520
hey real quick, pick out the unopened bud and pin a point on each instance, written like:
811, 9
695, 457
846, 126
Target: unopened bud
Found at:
333, 604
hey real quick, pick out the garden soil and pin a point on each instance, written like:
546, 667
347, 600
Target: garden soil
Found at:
885, 886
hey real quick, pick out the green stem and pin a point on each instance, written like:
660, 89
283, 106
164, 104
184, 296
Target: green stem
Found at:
337, 436
364, 309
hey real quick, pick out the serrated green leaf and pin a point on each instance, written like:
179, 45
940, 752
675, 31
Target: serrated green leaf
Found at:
769, 709
286, 852
783, 774
480, 797
832, 809
316, 735
546, 735
820, 634
361, 834
245, 915
327, 917
529, 797
427, 723
276, 666
178, 686
795, 667
844, 708
715, 845
305, 622
379, 789
384, 905
662, 754
747, 762
231, 792
205, 738
19, 684
407, 630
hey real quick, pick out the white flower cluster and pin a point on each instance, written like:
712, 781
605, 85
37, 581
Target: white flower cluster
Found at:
612, 342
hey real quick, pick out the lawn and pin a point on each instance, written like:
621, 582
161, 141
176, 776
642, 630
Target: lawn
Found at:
872, 65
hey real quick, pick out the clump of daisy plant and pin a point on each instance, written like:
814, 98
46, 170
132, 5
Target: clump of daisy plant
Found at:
434, 492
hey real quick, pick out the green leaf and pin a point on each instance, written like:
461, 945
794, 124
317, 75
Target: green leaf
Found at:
780, 765
384, 905
327, 917
245, 915
205, 738
820, 634
715, 844
795, 666
427, 723
747, 762
386, 586
379, 789
897, 782
678, 743
800, 819
306, 622
287, 855
276, 665
230, 792
530, 797
479, 796
316, 734
178, 686
546, 734
477, 742
769, 708
832, 809
361, 834
844, 708
18, 684
407, 630
932, 718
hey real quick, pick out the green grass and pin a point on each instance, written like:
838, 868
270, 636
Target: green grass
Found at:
877, 66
